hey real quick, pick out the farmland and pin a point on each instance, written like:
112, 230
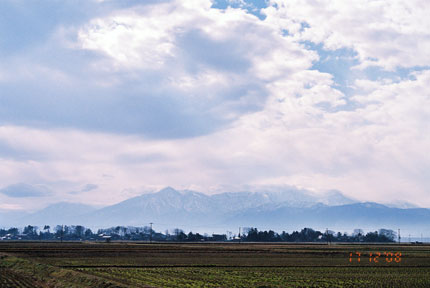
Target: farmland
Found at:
33, 264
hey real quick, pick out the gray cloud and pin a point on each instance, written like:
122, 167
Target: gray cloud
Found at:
198, 49
30, 23
62, 84
23, 190
89, 187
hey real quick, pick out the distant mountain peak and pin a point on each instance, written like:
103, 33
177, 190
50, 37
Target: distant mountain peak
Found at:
165, 193
335, 197
371, 205
168, 190
269, 207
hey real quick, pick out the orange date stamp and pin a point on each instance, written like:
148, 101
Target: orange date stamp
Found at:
375, 257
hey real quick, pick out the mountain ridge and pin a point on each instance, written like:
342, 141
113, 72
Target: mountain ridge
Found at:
288, 209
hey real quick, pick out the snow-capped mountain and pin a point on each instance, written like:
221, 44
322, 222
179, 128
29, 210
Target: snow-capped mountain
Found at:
267, 208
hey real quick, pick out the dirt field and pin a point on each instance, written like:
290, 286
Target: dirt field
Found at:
212, 265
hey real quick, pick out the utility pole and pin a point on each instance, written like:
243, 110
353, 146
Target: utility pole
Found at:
150, 233
398, 234
239, 236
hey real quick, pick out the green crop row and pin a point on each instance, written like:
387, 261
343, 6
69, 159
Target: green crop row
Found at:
266, 277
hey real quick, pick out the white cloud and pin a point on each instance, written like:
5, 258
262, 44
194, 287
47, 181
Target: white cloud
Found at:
10, 207
376, 152
142, 38
153, 38
216, 64
388, 34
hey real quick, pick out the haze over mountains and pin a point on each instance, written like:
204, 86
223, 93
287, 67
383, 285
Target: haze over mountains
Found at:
278, 209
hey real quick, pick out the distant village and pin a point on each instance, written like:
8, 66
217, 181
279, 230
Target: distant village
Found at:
122, 233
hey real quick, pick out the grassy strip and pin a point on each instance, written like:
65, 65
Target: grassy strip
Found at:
46, 276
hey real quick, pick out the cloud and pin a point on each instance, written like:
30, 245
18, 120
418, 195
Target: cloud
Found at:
89, 187
9, 207
22, 190
166, 70
387, 34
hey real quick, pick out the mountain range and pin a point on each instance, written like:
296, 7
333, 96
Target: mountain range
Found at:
278, 209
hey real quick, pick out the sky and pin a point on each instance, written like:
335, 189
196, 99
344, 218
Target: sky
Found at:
103, 100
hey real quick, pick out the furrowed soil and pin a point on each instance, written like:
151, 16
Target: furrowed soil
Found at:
36, 264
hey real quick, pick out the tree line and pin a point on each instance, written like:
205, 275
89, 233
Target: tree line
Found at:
118, 233
310, 235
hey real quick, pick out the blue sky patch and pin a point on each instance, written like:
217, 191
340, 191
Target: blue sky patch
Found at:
251, 6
